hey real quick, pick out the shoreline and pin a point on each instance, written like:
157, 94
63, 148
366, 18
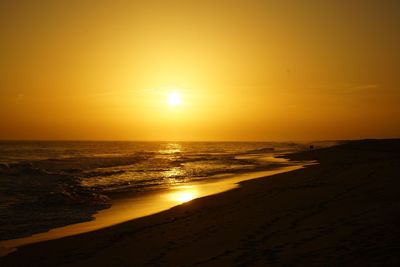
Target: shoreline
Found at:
127, 206
343, 211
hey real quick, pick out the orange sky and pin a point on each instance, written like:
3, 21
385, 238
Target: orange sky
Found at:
245, 70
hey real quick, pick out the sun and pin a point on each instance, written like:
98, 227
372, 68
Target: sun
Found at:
174, 99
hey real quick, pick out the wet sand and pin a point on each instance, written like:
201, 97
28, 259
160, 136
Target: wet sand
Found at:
344, 211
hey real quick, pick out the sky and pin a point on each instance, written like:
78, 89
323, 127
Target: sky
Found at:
246, 70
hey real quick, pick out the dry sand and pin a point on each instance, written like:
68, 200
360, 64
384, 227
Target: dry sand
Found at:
343, 212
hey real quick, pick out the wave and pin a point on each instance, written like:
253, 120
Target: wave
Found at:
49, 184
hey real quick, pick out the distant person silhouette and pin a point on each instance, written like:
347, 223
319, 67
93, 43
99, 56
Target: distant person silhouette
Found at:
311, 147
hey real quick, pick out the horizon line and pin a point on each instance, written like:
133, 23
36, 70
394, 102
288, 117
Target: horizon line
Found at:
194, 141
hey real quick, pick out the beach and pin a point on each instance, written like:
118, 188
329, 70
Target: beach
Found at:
343, 211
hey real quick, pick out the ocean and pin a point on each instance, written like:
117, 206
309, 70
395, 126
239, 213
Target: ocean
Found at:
48, 184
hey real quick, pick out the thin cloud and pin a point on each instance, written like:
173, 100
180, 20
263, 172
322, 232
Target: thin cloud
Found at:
362, 87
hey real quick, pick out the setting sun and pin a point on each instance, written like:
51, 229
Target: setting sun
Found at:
174, 99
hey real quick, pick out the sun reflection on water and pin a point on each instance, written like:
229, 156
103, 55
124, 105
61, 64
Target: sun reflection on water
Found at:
171, 152
183, 194
172, 172
171, 148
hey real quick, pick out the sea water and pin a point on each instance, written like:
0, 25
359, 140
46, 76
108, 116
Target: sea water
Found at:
48, 184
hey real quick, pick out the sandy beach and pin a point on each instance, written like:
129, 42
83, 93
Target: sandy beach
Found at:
345, 211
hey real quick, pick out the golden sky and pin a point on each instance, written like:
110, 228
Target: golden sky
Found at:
243, 70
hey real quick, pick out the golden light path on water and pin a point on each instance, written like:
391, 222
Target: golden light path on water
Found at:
144, 204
